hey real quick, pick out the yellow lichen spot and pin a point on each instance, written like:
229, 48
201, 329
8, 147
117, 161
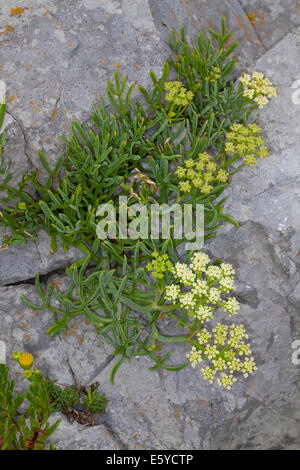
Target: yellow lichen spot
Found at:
117, 66
17, 11
26, 360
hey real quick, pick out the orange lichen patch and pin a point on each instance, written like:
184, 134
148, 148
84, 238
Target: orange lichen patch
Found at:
7, 28
81, 340
117, 66
206, 403
175, 16
252, 18
176, 414
242, 27
246, 32
17, 11
230, 41
137, 66
13, 98
106, 15
23, 325
27, 337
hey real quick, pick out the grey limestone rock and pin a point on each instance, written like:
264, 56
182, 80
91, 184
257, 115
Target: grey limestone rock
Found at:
69, 50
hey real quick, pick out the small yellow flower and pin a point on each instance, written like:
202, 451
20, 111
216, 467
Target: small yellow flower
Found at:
250, 160
27, 374
26, 361
16, 355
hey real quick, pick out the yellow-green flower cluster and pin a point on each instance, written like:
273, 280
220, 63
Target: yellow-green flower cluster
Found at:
245, 142
258, 88
200, 288
178, 94
159, 265
227, 352
200, 174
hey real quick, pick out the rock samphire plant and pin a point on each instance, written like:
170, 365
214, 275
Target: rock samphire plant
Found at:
29, 430
181, 142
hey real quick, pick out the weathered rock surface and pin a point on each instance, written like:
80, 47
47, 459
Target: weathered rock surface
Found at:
68, 51
272, 19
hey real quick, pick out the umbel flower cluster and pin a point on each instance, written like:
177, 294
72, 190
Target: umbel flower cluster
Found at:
215, 74
200, 174
178, 94
226, 350
245, 142
258, 88
199, 288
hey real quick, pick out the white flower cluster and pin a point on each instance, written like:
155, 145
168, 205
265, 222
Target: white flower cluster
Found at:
258, 88
227, 352
201, 287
